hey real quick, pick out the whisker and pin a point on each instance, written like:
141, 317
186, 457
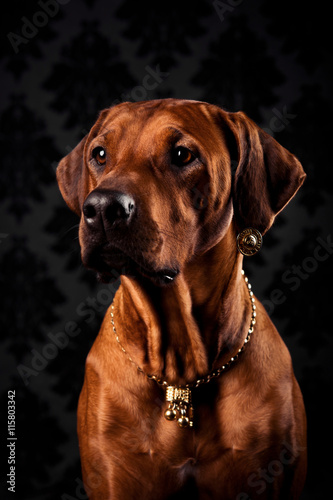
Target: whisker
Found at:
64, 233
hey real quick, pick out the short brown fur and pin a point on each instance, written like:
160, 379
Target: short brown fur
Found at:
249, 434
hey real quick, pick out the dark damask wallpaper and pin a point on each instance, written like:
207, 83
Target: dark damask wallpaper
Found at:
61, 62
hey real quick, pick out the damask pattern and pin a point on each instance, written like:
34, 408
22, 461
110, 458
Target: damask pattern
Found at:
80, 86
62, 62
229, 81
27, 156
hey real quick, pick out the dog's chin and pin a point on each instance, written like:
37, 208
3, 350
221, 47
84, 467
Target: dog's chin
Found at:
112, 264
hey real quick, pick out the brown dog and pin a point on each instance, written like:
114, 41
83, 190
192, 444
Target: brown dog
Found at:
158, 201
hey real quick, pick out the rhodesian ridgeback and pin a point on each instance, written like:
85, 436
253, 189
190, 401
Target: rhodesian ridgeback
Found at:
189, 389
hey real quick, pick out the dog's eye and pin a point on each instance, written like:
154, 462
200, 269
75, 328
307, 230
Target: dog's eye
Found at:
99, 154
182, 156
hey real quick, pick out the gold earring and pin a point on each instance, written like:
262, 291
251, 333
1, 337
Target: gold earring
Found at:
249, 241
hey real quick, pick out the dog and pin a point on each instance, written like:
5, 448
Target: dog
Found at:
189, 389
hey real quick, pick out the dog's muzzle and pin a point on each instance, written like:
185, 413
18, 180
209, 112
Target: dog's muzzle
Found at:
111, 240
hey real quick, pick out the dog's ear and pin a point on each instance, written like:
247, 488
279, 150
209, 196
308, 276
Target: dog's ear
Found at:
72, 173
266, 178
70, 176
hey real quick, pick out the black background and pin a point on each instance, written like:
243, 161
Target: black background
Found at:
60, 65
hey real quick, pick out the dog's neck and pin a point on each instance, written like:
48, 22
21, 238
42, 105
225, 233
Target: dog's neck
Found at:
183, 330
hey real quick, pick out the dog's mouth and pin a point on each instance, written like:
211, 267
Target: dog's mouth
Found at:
110, 262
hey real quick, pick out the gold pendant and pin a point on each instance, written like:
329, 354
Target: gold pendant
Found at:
249, 241
180, 406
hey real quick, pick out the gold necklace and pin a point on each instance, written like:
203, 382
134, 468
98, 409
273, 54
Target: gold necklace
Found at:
180, 397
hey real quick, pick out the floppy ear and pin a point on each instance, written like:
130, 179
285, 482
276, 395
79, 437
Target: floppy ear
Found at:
73, 175
266, 178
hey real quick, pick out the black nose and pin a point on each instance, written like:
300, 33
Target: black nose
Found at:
106, 208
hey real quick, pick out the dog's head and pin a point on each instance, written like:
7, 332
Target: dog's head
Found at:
154, 186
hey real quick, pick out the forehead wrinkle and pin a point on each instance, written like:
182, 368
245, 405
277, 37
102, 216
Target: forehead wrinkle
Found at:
152, 128
174, 132
194, 123
107, 134
121, 135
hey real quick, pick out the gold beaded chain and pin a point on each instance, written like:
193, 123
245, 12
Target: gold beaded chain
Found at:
180, 397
